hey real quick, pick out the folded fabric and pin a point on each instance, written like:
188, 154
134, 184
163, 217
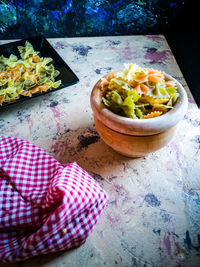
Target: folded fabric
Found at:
44, 206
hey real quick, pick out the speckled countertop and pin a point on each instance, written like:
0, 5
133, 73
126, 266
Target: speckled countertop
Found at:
153, 213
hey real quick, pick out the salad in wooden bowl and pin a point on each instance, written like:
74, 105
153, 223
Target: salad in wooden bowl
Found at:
136, 110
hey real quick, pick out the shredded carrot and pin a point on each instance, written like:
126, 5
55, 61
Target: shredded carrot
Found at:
16, 68
36, 89
144, 88
111, 75
155, 78
2, 99
152, 71
149, 75
34, 79
133, 83
36, 59
137, 89
104, 82
152, 115
159, 107
141, 88
42, 88
28, 70
170, 84
141, 78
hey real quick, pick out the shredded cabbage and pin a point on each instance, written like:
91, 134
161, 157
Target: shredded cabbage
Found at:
26, 76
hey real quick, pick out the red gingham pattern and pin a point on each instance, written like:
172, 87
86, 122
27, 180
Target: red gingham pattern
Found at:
44, 206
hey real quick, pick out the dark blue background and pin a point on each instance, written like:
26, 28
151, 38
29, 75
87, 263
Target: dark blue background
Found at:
69, 18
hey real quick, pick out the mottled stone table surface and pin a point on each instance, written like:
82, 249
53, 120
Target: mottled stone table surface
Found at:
153, 213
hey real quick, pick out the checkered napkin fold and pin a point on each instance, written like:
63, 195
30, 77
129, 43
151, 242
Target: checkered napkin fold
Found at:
44, 206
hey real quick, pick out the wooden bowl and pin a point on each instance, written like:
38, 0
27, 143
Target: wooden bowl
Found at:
132, 137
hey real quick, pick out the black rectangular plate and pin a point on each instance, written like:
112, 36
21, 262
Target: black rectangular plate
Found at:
67, 76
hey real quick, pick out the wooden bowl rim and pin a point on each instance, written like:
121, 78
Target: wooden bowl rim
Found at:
139, 127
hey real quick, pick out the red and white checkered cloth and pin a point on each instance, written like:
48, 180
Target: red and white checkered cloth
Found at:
44, 206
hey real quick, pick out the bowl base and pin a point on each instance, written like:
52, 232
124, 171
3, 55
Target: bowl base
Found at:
130, 145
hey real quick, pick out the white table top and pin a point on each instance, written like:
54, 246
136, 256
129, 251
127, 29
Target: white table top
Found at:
153, 213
